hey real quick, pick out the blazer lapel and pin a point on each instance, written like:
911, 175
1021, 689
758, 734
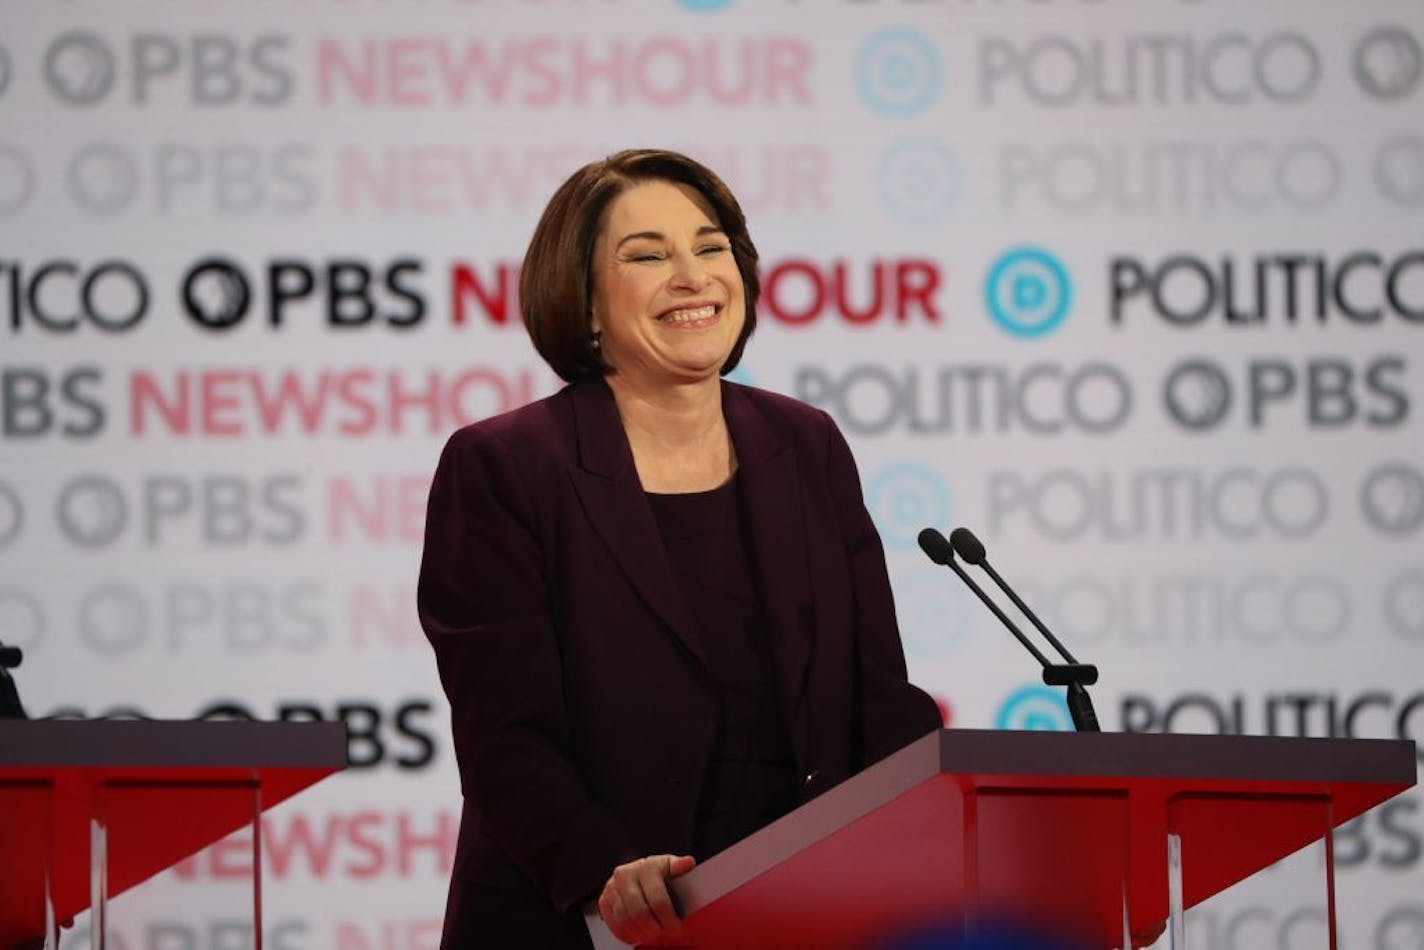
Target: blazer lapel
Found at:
773, 495
607, 484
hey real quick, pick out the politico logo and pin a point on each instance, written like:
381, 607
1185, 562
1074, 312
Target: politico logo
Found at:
1374, 713
1181, 175
1158, 69
1192, 608
1363, 287
1236, 503
62, 295
1044, 398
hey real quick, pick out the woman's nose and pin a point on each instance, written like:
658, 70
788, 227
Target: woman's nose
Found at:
689, 272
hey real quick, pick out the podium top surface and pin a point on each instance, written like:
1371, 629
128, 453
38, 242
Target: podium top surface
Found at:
909, 817
38, 745
56, 776
1156, 756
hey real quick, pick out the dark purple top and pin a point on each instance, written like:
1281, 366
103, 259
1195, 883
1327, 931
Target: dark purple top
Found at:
751, 780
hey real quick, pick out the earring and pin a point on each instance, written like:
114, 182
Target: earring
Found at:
596, 341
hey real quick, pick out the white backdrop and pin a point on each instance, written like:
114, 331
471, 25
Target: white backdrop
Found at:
1133, 287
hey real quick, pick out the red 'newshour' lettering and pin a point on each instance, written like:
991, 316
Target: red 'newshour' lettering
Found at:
449, 180
552, 71
796, 292
358, 845
356, 402
380, 509
799, 292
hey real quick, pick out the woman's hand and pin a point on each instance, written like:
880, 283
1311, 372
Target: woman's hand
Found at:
635, 903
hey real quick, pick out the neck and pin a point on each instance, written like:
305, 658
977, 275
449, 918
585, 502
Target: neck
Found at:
670, 417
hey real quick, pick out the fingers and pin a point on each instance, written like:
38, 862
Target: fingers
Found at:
636, 904
659, 901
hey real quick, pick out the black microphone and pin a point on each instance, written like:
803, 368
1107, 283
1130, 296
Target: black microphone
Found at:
941, 552
971, 549
1072, 674
10, 706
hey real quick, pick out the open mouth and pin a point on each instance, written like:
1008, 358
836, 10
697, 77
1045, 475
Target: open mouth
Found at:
691, 316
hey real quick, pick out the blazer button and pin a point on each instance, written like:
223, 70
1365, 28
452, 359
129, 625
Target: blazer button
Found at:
809, 778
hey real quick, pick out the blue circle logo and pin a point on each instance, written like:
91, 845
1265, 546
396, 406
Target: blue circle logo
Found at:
905, 497
933, 612
898, 71
1036, 708
706, 6
919, 180
1029, 292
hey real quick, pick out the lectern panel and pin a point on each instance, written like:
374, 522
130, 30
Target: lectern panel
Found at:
1054, 861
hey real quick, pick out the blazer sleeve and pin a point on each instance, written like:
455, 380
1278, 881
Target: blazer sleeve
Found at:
889, 711
486, 609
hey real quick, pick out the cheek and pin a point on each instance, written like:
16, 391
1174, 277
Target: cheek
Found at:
631, 292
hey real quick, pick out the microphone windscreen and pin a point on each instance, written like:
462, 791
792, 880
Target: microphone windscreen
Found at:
934, 544
966, 545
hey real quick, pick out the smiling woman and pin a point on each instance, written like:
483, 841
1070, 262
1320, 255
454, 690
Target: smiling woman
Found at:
659, 607
668, 305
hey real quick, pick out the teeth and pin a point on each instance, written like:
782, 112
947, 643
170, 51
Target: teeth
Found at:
687, 316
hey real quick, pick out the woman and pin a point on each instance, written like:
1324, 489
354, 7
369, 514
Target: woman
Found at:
659, 607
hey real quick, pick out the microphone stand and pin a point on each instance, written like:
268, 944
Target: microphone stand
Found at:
1072, 674
10, 707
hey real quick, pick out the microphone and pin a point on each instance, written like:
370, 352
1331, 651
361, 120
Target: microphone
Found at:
971, 549
942, 552
1072, 674
10, 707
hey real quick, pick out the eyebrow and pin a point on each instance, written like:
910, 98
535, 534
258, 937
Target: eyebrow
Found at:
659, 236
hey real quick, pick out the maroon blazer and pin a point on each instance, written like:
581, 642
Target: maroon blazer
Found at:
583, 718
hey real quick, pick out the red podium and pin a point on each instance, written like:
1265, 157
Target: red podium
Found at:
89, 808
1089, 836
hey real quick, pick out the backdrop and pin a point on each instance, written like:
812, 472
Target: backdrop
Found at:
1135, 288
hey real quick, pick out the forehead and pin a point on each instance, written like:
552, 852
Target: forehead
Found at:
659, 206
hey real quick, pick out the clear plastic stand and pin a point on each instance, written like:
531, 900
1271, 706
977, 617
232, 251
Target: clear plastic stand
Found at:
1176, 905
1290, 903
98, 877
129, 817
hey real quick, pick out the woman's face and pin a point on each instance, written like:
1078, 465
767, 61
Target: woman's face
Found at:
668, 298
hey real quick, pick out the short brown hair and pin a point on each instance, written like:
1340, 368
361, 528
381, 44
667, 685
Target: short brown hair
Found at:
556, 284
